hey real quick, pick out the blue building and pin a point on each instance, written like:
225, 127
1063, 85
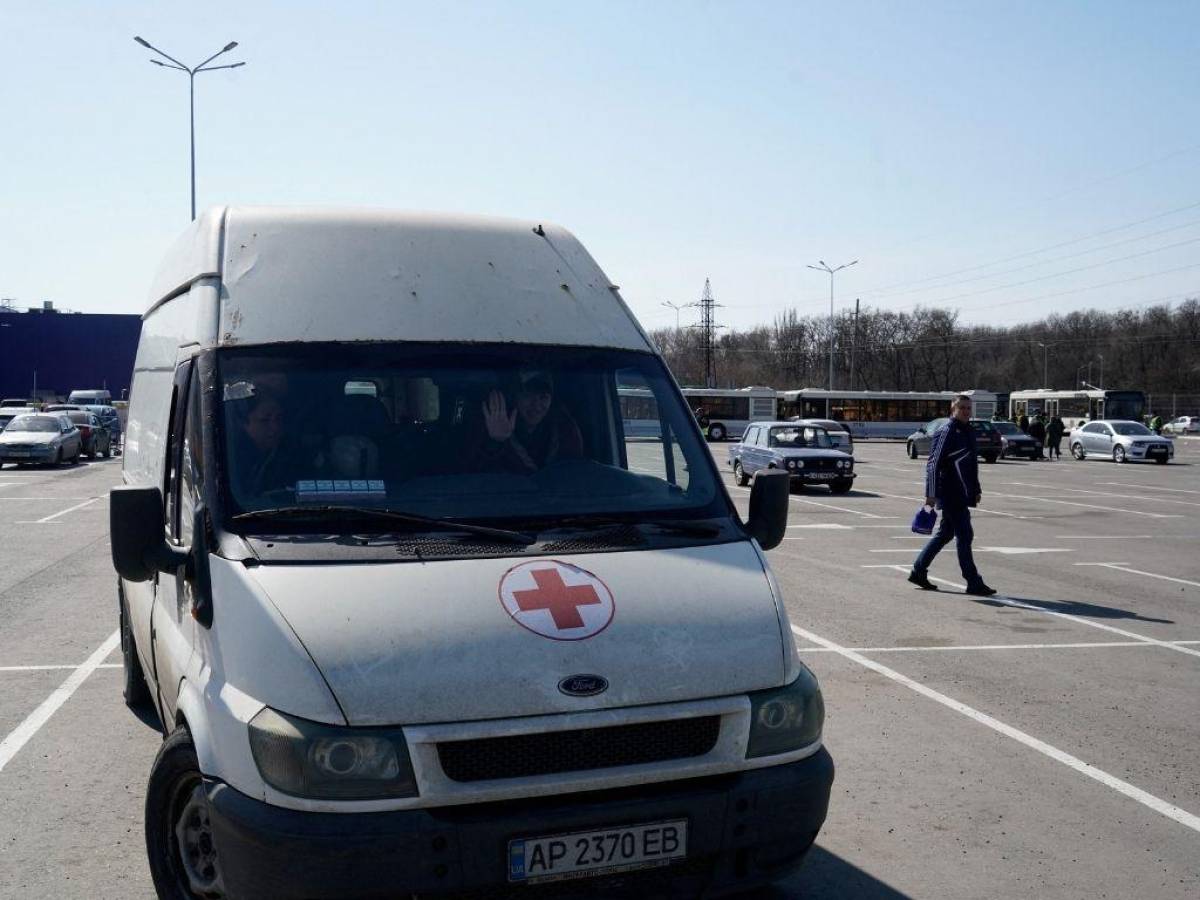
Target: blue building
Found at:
46, 353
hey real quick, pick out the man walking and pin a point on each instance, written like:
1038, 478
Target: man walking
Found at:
1037, 431
952, 484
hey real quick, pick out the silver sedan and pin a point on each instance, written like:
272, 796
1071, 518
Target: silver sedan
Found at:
40, 438
1121, 441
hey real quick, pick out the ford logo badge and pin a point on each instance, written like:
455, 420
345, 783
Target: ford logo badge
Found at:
583, 685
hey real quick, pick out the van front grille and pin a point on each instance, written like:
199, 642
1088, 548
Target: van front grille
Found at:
524, 755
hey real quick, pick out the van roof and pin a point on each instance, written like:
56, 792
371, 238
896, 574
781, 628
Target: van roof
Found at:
316, 274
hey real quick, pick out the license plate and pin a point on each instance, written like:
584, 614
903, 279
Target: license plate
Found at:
1157, 451
587, 853
21, 453
820, 476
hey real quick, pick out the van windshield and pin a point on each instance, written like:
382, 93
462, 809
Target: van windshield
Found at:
501, 433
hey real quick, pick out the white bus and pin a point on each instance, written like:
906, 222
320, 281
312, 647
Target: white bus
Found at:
1077, 407
879, 414
726, 412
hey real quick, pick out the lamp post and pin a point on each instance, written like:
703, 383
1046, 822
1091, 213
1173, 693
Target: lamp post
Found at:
191, 73
1045, 363
1079, 374
822, 267
677, 307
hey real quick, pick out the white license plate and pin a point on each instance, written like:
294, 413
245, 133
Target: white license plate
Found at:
587, 853
21, 453
820, 476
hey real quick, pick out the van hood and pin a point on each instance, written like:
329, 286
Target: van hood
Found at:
422, 642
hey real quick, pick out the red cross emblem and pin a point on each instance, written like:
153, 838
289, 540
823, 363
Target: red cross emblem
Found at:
556, 600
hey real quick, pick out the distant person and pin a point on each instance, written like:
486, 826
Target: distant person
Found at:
1156, 424
1054, 436
1023, 423
1037, 431
702, 418
535, 433
952, 485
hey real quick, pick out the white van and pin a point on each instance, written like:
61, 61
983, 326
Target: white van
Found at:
417, 614
90, 398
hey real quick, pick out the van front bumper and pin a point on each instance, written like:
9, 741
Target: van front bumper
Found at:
744, 829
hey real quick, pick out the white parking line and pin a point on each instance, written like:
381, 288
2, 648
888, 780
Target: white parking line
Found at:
19, 736
1021, 604
976, 509
54, 516
1132, 512
1059, 487
1140, 572
1092, 645
1170, 810
854, 512
1104, 537
1146, 487
53, 668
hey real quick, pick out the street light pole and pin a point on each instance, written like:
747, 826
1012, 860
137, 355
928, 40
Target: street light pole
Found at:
191, 74
822, 267
677, 307
1045, 363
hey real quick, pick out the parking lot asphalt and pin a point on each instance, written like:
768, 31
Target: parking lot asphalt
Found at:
1038, 743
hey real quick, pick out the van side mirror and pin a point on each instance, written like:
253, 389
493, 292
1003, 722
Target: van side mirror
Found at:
769, 495
139, 544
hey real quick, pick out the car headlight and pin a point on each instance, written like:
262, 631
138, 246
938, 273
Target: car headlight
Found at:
787, 718
329, 762
799, 463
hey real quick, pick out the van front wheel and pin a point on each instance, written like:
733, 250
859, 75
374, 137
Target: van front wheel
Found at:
179, 840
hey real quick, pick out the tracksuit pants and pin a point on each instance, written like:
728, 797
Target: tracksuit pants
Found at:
955, 526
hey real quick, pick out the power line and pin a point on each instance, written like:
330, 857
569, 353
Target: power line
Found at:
1035, 251
1034, 265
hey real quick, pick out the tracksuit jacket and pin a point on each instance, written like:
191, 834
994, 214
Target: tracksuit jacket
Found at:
952, 473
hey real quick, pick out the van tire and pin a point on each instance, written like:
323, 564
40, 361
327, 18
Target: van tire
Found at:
135, 690
177, 819
716, 432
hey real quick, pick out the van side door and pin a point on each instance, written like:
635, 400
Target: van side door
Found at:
172, 625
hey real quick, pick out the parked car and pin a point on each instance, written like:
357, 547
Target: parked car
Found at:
323, 740
111, 420
19, 403
40, 438
838, 433
96, 440
60, 407
1015, 442
8, 413
1183, 425
804, 451
1121, 441
987, 438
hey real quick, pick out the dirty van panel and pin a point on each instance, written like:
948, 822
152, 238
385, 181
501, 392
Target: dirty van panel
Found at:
296, 274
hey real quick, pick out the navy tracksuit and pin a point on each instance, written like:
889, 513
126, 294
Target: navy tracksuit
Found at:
952, 478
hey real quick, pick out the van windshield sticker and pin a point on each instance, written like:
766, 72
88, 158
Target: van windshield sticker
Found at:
326, 491
239, 390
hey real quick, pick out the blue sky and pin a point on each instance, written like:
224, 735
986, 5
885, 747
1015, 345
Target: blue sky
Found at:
679, 141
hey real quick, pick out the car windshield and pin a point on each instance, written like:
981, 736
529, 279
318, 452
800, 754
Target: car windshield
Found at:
805, 437
1130, 428
1007, 428
34, 423
499, 433
980, 425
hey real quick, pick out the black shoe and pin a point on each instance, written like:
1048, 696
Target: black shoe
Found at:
979, 589
921, 580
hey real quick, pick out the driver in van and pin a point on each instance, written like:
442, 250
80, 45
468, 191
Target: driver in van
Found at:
535, 433
262, 462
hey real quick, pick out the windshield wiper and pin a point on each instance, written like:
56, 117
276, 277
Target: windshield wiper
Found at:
677, 526
385, 515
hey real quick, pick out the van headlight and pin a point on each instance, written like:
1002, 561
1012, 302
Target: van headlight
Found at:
787, 718
329, 762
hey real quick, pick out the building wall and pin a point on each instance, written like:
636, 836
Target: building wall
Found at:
68, 351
